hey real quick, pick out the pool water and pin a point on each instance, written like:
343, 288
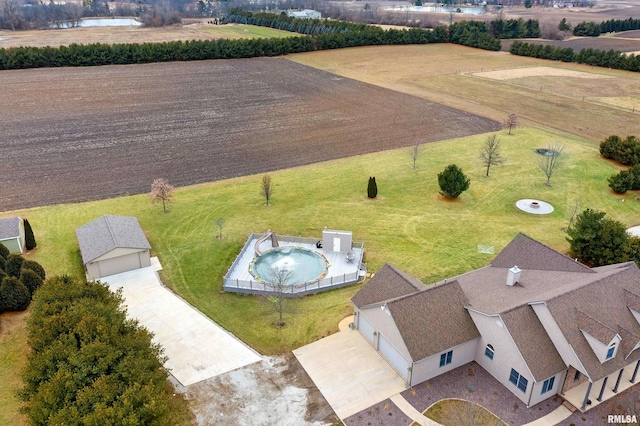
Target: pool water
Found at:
302, 266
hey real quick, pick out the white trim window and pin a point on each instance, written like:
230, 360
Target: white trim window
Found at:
489, 351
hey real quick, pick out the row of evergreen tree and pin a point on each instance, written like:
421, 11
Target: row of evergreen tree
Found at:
19, 279
596, 57
473, 34
593, 29
514, 28
625, 151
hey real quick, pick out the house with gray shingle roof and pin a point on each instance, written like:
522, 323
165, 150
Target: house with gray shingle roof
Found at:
539, 322
112, 244
12, 234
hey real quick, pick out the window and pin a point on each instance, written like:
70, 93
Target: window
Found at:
576, 377
548, 385
488, 352
445, 359
611, 351
518, 380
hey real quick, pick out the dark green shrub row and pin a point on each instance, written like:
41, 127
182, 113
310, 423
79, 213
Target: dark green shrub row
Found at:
600, 58
19, 279
593, 29
626, 180
514, 28
88, 363
624, 151
474, 34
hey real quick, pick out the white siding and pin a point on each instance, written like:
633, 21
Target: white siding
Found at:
110, 265
507, 356
537, 395
365, 327
428, 368
12, 244
117, 252
384, 323
393, 357
555, 334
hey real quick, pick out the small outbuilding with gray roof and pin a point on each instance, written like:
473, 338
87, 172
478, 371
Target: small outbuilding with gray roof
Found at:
12, 234
110, 245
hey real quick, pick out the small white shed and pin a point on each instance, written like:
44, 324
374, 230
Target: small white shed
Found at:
338, 241
113, 244
12, 234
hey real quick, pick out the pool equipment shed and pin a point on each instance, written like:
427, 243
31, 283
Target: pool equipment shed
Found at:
338, 241
112, 244
12, 234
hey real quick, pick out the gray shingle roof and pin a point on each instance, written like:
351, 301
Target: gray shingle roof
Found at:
107, 233
387, 284
9, 228
527, 253
629, 340
595, 328
433, 320
605, 298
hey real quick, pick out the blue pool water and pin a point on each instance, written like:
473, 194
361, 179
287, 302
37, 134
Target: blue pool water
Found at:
303, 265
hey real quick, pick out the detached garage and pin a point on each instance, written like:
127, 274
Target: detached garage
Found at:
12, 234
113, 244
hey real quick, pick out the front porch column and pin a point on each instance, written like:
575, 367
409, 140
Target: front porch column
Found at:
604, 383
635, 372
615, 389
586, 397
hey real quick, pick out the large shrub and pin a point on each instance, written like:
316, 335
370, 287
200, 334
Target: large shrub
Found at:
88, 364
14, 263
452, 182
621, 183
29, 238
596, 240
31, 280
35, 267
14, 296
4, 252
624, 151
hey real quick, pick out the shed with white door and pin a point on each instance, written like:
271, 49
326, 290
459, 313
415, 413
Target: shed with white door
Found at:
338, 241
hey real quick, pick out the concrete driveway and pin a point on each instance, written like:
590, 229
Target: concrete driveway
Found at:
196, 347
349, 372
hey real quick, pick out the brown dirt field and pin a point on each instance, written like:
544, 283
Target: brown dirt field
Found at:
77, 134
443, 73
108, 35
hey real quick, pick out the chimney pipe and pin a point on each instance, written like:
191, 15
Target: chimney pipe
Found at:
513, 276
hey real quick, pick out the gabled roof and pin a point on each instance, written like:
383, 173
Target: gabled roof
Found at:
595, 328
9, 228
527, 253
534, 343
433, 320
107, 233
604, 299
633, 300
629, 341
387, 284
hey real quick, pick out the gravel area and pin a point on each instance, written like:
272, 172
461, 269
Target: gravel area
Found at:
471, 382
384, 413
627, 402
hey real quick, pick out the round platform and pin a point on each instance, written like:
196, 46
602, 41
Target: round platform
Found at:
534, 206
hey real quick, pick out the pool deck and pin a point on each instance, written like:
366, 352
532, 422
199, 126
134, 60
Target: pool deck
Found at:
338, 261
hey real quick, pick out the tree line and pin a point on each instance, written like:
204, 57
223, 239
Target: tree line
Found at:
593, 29
19, 279
514, 28
596, 57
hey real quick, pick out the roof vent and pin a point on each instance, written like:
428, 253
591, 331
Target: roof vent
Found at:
513, 275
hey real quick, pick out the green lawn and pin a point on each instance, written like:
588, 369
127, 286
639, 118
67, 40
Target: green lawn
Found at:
234, 31
13, 350
408, 225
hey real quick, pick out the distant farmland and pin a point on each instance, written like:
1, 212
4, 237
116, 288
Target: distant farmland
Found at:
107, 131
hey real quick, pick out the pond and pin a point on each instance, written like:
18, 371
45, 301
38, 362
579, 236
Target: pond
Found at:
440, 9
104, 22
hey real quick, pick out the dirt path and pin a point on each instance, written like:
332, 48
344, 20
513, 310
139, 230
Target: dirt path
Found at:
276, 391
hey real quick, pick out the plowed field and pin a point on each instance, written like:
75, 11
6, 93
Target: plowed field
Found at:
77, 134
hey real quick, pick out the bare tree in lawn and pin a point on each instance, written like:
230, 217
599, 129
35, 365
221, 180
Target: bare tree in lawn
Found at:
280, 282
414, 153
220, 224
10, 9
511, 122
161, 192
549, 163
266, 190
490, 153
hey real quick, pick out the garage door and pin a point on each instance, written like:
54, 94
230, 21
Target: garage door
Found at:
119, 264
392, 356
366, 328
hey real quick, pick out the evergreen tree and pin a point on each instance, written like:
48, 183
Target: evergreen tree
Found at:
29, 239
452, 182
14, 263
4, 252
14, 296
35, 267
372, 188
31, 280
596, 240
3, 263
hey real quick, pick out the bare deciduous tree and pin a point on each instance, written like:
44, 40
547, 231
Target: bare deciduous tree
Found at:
490, 153
266, 190
220, 224
511, 122
549, 163
161, 191
414, 153
11, 12
280, 281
